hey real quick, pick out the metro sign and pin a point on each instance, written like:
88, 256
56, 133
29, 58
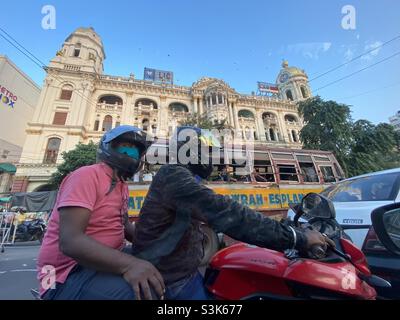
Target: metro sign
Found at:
7, 97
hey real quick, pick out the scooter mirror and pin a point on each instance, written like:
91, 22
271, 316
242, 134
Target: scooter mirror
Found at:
386, 223
315, 205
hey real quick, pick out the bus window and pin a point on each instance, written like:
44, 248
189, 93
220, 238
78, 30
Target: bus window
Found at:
239, 170
287, 172
308, 172
327, 173
241, 174
263, 171
339, 172
307, 168
321, 158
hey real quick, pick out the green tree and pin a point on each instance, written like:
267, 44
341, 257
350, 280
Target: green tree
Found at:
374, 148
360, 147
202, 121
327, 127
82, 155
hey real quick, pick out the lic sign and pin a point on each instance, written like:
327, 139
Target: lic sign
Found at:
7, 97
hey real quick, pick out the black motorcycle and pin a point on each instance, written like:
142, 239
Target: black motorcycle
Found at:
30, 230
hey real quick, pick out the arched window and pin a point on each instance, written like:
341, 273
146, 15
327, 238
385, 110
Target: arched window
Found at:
107, 123
245, 114
304, 92
220, 98
247, 133
178, 107
272, 134
77, 50
268, 116
294, 136
289, 95
145, 124
111, 99
51, 154
146, 102
154, 129
96, 125
290, 118
214, 99
66, 92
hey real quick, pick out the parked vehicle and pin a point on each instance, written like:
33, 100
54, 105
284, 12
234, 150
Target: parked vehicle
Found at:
30, 230
354, 199
248, 272
25, 228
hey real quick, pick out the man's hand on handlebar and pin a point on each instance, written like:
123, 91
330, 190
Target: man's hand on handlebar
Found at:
315, 238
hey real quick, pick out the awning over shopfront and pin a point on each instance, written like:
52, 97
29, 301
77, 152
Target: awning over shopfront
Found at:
7, 167
34, 201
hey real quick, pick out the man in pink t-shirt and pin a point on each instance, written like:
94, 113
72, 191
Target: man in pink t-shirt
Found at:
81, 256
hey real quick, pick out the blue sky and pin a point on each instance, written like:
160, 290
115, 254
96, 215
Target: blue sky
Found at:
241, 42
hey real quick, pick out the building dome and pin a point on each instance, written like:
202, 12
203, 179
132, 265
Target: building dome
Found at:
287, 72
294, 71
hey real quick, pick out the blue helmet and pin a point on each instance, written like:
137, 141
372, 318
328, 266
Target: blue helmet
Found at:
126, 166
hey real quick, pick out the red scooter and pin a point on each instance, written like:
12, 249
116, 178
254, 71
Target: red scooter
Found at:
248, 272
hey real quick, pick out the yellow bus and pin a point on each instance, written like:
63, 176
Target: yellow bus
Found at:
276, 178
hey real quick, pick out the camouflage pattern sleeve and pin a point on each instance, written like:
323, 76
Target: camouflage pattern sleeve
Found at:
223, 214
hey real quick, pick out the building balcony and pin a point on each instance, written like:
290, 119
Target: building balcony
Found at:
108, 107
245, 119
178, 114
292, 123
268, 121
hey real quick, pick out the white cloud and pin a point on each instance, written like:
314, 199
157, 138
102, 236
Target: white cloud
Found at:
311, 50
369, 46
349, 54
348, 51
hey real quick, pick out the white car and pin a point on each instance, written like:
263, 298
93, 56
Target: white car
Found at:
355, 198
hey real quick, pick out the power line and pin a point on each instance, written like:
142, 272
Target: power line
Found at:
42, 65
356, 58
31, 54
26, 55
358, 71
370, 91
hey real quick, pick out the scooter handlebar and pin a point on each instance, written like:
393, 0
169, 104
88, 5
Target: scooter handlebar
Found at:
317, 252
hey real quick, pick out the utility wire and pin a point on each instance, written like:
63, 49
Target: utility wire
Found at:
355, 58
358, 71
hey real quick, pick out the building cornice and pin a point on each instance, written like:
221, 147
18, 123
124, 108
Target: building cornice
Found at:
106, 82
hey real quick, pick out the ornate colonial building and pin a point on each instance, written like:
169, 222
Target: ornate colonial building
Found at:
78, 103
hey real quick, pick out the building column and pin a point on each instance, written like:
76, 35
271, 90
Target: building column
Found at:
257, 127
195, 105
268, 137
163, 117
230, 114
127, 110
282, 128
235, 115
201, 106
43, 97
261, 127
